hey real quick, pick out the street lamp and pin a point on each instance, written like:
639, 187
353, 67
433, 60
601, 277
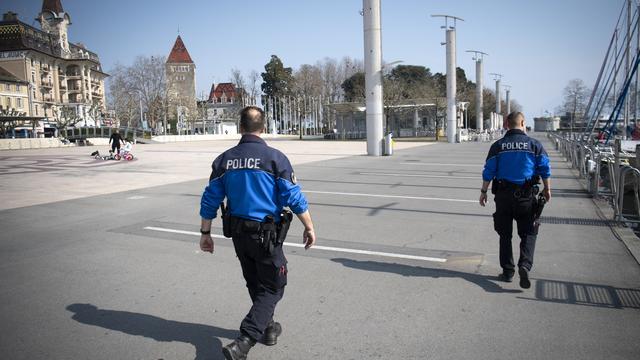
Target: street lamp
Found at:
450, 32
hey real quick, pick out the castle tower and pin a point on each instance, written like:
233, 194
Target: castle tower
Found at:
55, 21
181, 82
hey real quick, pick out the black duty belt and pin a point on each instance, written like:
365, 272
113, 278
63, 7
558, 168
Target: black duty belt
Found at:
268, 233
526, 190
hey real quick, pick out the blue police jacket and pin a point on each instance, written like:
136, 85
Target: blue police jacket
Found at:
257, 181
516, 158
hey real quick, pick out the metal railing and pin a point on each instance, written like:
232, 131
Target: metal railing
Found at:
606, 176
635, 187
82, 133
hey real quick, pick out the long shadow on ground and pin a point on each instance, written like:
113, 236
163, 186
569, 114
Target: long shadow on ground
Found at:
485, 282
203, 337
561, 292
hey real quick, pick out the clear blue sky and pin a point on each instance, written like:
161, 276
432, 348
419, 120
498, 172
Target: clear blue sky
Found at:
537, 44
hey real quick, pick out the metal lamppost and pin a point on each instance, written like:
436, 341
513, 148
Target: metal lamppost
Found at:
479, 58
373, 75
451, 74
497, 78
507, 90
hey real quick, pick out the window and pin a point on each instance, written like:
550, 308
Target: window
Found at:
7, 87
33, 77
19, 103
18, 88
36, 110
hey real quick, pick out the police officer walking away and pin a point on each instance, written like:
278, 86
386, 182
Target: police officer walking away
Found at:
515, 165
258, 182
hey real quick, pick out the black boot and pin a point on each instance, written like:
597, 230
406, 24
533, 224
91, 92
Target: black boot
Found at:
525, 283
271, 333
506, 276
239, 348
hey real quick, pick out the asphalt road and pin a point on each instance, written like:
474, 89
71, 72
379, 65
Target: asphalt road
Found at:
407, 271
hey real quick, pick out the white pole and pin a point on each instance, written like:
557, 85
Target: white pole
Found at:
479, 114
508, 100
498, 98
451, 86
373, 75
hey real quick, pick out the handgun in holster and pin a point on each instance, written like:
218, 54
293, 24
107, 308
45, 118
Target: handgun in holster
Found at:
283, 227
269, 234
273, 234
227, 228
538, 206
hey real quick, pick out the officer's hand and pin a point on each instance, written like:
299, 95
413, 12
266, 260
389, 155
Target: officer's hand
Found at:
206, 243
308, 238
483, 199
547, 194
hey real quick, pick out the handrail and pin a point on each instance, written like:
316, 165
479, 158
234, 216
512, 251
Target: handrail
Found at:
620, 215
589, 161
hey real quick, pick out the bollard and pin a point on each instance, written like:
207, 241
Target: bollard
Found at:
388, 144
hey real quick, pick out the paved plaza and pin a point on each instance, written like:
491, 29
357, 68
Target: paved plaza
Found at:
100, 260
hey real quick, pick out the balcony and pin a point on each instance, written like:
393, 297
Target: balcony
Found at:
47, 84
76, 99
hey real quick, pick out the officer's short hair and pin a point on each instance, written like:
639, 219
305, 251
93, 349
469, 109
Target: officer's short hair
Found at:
513, 119
251, 119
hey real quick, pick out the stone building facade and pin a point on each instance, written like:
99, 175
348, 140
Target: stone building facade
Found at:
64, 79
181, 83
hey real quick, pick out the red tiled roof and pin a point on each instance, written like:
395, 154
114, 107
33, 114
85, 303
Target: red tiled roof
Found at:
54, 6
211, 93
227, 89
179, 53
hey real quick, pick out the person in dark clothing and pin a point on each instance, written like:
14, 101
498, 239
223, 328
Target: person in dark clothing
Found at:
115, 140
258, 182
515, 164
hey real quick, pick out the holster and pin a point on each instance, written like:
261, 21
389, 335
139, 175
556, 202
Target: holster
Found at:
267, 233
227, 228
283, 226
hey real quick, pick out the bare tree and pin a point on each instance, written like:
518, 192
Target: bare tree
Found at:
253, 87
575, 98
144, 81
120, 98
237, 79
308, 81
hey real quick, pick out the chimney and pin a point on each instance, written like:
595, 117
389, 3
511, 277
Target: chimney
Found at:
10, 16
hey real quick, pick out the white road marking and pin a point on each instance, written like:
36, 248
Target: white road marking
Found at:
423, 175
442, 164
136, 197
388, 196
317, 247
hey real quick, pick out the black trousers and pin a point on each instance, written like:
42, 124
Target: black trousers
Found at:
266, 277
510, 207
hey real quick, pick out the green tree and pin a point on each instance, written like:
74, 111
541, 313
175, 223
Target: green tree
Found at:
353, 87
277, 79
413, 81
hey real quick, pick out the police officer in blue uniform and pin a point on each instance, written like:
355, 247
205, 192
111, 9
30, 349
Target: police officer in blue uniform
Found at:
514, 166
258, 182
